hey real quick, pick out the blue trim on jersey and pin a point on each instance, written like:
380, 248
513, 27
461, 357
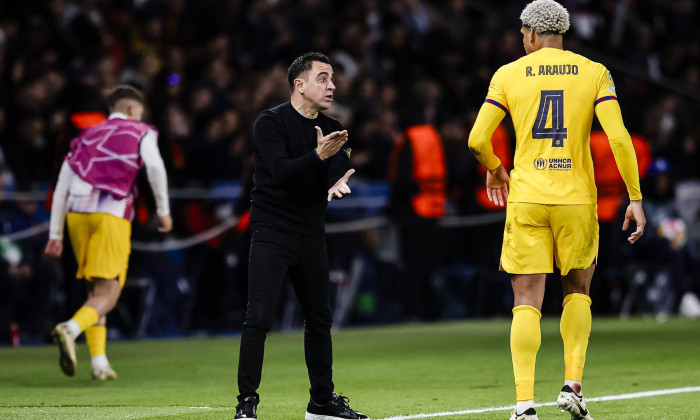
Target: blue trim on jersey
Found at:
491, 101
604, 98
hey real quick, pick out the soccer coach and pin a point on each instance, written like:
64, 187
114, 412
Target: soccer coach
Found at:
298, 170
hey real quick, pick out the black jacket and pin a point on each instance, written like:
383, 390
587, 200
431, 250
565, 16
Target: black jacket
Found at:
290, 185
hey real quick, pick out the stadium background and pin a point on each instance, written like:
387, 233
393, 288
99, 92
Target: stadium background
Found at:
209, 67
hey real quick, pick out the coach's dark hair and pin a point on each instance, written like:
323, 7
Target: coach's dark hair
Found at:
303, 64
124, 92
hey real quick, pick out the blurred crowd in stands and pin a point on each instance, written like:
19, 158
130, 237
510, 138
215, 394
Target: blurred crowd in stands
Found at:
208, 67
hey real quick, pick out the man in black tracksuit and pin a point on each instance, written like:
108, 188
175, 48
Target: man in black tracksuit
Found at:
298, 170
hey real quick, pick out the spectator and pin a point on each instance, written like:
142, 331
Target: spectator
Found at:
666, 254
25, 278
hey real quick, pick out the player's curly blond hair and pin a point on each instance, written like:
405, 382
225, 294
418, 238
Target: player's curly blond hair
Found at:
545, 17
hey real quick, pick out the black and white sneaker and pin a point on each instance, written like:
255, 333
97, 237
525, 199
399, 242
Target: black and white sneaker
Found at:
529, 414
247, 408
568, 400
337, 408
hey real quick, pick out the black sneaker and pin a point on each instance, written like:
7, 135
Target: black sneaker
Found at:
247, 409
336, 408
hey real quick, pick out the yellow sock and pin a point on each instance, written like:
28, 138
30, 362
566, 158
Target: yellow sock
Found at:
525, 339
96, 337
575, 327
86, 317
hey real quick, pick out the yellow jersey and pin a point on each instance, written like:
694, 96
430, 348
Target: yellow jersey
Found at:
551, 95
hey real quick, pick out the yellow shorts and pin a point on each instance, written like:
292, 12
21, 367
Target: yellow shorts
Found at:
101, 243
534, 233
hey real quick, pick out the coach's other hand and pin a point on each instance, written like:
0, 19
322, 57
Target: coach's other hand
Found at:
330, 144
340, 188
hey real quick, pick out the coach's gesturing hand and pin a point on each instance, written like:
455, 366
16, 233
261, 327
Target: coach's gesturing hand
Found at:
330, 144
340, 188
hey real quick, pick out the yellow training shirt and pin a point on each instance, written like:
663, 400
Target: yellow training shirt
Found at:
551, 95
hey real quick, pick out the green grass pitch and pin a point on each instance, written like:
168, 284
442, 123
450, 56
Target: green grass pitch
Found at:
385, 371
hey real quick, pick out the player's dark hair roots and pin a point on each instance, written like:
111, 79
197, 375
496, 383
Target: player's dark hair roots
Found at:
302, 64
124, 92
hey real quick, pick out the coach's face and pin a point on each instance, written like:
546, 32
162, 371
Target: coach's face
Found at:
317, 85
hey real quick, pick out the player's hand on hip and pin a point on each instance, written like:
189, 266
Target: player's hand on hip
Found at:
329, 145
635, 212
340, 188
166, 223
497, 185
54, 248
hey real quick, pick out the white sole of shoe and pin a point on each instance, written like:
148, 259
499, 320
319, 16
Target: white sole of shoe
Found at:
309, 416
66, 347
568, 404
514, 416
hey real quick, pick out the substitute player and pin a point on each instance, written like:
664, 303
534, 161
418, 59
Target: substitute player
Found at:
551, 95
96, 189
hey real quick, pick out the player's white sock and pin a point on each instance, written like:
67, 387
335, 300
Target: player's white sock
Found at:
574, 385
523, 406
100, 361
73, 327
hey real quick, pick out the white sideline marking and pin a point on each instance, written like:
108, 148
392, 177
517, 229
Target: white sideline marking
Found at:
634, 395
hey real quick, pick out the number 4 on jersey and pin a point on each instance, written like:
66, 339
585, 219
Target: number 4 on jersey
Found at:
554, 100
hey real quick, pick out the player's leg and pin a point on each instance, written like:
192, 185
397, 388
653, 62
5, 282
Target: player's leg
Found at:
525, 337
527, 255
272, 251
117, 258
311, 282
101, 244
114, 240
575, 326
96, 337
103, 296
65, 333
106, 262
576, 238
